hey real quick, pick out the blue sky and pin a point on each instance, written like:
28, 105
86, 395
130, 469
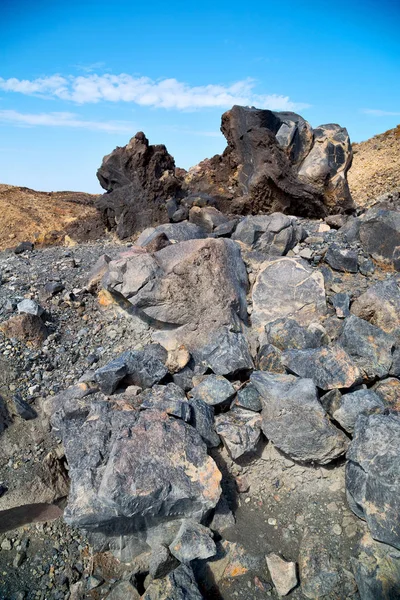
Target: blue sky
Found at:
78, 78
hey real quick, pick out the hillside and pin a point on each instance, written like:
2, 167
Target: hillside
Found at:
376, 167
27, 214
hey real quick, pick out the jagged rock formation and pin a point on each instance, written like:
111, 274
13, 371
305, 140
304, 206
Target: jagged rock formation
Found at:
139, 178
273, 162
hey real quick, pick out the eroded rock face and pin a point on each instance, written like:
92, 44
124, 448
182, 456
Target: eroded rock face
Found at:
373, 475
274, 161
186, 291
134, 475
139, 179
294, 420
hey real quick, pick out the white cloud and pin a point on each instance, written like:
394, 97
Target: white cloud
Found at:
380, 113
61, 119
165, 93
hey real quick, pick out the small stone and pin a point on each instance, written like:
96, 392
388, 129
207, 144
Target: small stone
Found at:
337, 530
23, 408
23, 247
341, 304
283, 573
19, 559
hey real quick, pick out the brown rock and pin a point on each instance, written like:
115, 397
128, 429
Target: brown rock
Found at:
26, 328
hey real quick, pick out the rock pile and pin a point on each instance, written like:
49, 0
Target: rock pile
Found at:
273, 162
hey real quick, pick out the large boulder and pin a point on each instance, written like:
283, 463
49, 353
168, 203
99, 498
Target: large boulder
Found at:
275, 161
139, 179
186, 291
373, 475
134, 474
380, 305
294, 420
380, 233
287, 287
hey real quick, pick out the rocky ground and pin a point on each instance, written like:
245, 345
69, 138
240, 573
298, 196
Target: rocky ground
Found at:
206, 410
376, 167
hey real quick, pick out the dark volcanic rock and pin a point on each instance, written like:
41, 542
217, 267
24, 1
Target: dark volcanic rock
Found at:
4, 416
25, 410
131, 472
342, 259
139, 179
178, 232
239, 429
192, 541
213, 390
373, 475
136, 367
169, 398
353, 405
329, 367
288, 334
180, 584
249, 398
294, 420
276, 162
202, 419
380, 305
380, 233
376, 568
226, 353
272, 234
269, 358
370, 347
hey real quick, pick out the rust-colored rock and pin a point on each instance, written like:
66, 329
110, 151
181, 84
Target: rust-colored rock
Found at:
26, 328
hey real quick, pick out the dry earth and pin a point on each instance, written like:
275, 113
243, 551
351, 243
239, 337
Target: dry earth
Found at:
376, 167
28, 215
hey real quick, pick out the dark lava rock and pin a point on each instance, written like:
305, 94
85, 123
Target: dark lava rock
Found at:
342, 259
207, 217
202, 418
169, 398
239, 430
274, 234
131, 472
288, 334
294, 420
373, 475
135, 367
370, 347
139, 179
329, 367
274, 161
380, 233
213, 390
341, 304
376, 568
192, 541
269, 358
25, 410
249, 398
4, 415
353, 405
161, 562
23, 247
178, 232
179, 584
380, 305
226, 354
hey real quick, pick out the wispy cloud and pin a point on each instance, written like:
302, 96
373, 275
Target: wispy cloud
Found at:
61, 119
380, 113
165, 93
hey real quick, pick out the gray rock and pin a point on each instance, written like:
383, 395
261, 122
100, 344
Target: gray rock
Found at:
287, 287
342, 259
351, 230
341, 304
388, 391
202, 419
207, 217
178, 232
184, 378
294, 420
223, 517
239, 429
29, 307
161, 562
23, 247
373, 475
369, 347
25, 410
193, 541
134, 475
288, 334
169, 398
123, 590
269, 358
179, 584
329, 367
213, 390
273, 234
380, 305
366, 266
226, 229
376, 568
353, 405
249, 398
227, 353
331, 401
54, 287
111, 375
380, 233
